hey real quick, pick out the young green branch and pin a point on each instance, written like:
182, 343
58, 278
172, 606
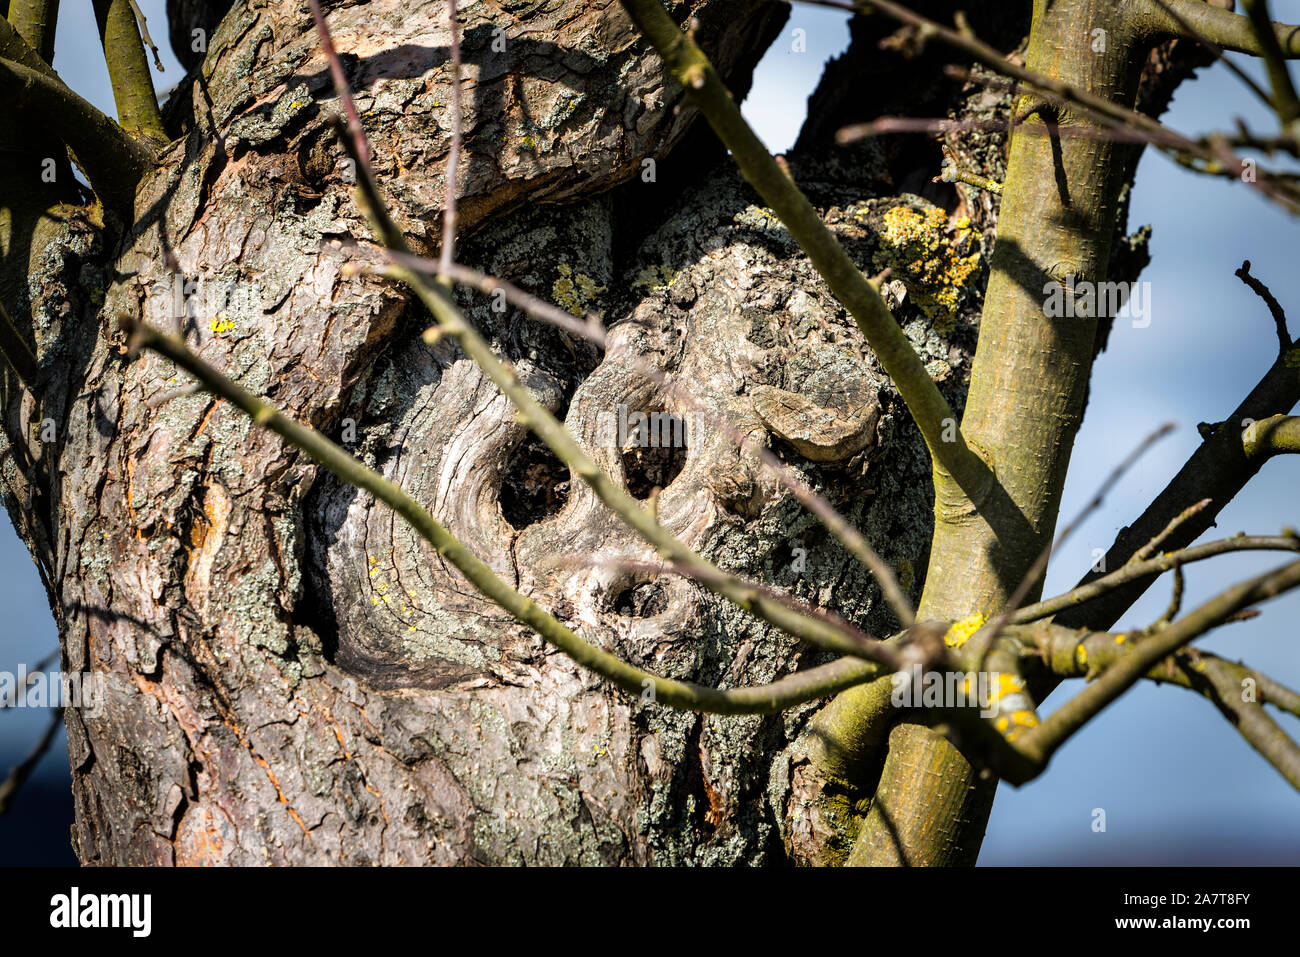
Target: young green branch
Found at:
1238, 691
35, 22
128, 69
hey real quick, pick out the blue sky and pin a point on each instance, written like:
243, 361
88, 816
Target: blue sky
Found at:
1176, 782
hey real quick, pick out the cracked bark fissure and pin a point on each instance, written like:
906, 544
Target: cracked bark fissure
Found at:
290, 675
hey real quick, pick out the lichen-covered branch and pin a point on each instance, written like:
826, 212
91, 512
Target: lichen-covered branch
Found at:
1041, 742
1216, 471
1278, 435
1285, 101
1133, 571
1238, 691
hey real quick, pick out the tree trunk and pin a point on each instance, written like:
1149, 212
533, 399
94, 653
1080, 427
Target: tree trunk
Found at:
290, 675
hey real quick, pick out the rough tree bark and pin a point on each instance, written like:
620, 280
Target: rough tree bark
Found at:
291, 675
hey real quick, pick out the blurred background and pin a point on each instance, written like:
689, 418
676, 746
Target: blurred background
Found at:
1176, 782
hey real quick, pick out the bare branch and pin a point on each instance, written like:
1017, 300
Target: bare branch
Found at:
144, 35
1274, 307
1238, 691
1212, 156
1039, 743
1228, 30
989, 633
1136, 570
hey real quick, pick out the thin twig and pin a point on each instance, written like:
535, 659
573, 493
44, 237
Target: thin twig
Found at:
1149, 549
1133, 571
1274, 307
144, 35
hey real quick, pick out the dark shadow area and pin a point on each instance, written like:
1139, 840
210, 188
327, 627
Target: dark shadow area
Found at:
535, 485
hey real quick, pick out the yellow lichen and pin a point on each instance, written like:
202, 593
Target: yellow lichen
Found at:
220, 325
1004, 685
961, 631
654, 278
574, 291
1015, 724
920, 248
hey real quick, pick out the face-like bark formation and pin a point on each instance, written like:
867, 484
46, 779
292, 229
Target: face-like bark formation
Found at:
290, 674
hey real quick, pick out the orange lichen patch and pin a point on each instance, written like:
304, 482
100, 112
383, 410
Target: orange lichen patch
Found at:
205, 541
201, 837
